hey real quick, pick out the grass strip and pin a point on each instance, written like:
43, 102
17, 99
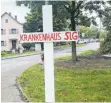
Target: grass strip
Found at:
70, 85
85, 53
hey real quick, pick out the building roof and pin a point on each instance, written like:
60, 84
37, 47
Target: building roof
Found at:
11, 17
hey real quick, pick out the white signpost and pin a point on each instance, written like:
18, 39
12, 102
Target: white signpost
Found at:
48, 56
48, 37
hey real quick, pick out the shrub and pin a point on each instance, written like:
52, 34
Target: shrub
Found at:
3, 53
27, 46
105, 46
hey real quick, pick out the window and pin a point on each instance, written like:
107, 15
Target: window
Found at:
6, 20
13, 31
2, 43
3, 31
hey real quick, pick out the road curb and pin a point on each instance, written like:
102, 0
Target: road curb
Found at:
19, 56
21, 91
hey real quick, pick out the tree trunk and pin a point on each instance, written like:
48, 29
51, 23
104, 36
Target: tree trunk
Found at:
73, 27
42, 46
74, 57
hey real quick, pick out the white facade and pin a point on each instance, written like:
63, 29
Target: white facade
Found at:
37, 47
10, 31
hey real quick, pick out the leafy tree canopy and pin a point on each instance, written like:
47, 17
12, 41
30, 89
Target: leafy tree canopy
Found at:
61, 14
90, 31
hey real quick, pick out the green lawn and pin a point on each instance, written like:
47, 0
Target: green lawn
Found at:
85, 53
7, 54
69, 46
70, 85
30, 52
80, 44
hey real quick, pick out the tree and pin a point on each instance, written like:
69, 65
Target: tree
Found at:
89, 32
103, 35
107, 19
74, 9
27, 46
95, 32
86, 31
34, 18
106, 44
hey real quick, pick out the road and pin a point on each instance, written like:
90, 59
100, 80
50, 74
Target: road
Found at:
12, 68
90, 46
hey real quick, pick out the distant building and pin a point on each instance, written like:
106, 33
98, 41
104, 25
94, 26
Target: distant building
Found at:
10, 32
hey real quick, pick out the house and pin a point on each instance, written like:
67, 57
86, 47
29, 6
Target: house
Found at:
10, 32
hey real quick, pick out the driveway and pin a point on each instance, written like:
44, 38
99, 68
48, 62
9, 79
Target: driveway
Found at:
12, 68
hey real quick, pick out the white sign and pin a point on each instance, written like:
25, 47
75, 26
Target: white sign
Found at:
49, 36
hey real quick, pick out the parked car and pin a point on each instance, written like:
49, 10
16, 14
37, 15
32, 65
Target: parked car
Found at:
97, 40
80, 41
86, 40
92, 40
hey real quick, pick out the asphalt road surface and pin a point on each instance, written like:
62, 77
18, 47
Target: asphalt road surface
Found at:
12, 68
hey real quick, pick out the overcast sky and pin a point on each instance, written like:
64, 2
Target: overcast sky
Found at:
20, 11
10, 6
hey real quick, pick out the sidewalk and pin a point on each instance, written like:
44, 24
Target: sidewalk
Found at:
20, 55
15, 67
9, 88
